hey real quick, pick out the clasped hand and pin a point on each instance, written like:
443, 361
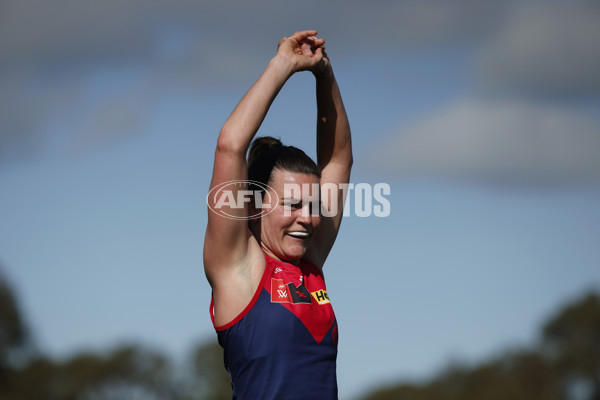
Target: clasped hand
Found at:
305, 51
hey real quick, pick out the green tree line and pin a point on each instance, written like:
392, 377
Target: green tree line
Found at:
563, 365
127, 372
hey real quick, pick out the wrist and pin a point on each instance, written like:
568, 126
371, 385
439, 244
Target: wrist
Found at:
284, 64
324, 74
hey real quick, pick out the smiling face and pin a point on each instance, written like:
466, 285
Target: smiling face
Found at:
287, 231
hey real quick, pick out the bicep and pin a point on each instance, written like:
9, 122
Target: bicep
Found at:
334, 189
227, 232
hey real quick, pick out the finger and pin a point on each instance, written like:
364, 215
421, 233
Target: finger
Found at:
301, 35
315, 48
308, 32
320, 54
306, 49
317, 58
315, 41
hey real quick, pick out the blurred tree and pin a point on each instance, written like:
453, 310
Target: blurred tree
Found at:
14, 337
207, 378
572, 340
129, 372
565, 366
15, 343
40, 379
521, 376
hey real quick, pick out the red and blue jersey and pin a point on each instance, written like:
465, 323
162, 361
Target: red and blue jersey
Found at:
284, 344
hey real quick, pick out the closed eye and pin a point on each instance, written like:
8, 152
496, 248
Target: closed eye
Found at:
295, 204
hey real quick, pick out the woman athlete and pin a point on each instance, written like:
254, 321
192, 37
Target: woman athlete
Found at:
270, 306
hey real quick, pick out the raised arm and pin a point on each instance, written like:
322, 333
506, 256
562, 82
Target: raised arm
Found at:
227, 240
334, 155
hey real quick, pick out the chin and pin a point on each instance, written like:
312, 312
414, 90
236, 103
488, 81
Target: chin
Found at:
294, 256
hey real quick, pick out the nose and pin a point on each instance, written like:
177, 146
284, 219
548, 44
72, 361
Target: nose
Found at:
304, 216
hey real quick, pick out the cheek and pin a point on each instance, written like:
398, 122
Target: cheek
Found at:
316, 221
278, 219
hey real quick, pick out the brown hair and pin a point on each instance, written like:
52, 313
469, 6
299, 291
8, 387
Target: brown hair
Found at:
268, 153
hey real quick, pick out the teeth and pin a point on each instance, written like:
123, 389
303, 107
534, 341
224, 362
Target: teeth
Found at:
299, 234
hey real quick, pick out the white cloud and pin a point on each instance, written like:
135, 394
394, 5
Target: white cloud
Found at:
546, 47
70, 32
504, 141
180, 45
183, 44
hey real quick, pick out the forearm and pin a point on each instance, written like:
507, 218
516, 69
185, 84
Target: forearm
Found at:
243, 123
333, 129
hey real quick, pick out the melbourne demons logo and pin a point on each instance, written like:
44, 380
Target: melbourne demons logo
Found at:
289, 293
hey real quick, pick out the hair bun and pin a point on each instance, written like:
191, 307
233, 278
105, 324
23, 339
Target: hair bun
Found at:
263, 145
268, 153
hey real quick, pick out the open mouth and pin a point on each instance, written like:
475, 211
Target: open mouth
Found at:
299, 234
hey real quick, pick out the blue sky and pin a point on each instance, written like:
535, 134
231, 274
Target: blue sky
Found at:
489, 140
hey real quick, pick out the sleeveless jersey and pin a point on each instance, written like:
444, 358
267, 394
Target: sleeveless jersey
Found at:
284, 344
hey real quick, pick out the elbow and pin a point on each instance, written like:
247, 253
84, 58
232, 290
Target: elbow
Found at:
228, 143
348, 162
349, 157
